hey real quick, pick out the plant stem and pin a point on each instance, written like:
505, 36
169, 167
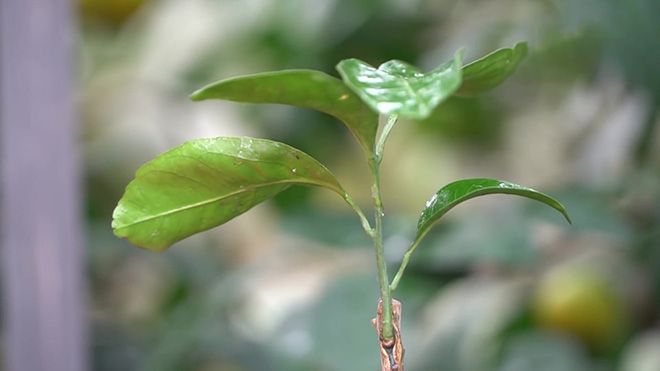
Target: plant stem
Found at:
387, 328
383, 280
391, 120
363, 219
391, 352
404, 264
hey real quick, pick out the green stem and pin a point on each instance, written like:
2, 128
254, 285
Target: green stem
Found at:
387, 328
391, 120
363, 219
404, 264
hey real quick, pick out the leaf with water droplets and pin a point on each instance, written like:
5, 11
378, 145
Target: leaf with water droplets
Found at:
301, 88
396, 87
491, 70
462, 190
206, 182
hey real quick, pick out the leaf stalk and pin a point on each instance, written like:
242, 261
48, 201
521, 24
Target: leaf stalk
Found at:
380, 146
404, 264
363, 219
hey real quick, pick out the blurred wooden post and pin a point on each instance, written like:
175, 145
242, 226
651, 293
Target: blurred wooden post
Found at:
42, 274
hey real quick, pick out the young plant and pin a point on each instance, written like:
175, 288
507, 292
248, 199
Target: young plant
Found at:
206, 182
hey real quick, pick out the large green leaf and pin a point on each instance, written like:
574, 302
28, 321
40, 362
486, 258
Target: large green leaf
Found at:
491, 70
206, 182
399, 88
301, 88
462, 190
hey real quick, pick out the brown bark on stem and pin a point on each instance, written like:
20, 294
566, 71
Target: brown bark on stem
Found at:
391, 351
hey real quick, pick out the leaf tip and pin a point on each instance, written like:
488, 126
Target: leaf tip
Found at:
521, 47
122, 230
458, 56
562, 210
346, 61
197, 95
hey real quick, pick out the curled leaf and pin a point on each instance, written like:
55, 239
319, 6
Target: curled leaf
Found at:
462, 190
398, 88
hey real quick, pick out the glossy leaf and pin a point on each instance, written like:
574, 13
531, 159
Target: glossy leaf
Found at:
491, 70
463, 190
400, 88
460, 191
204, 183
301, 88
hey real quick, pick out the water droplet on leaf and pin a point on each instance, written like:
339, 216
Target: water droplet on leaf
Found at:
432, 201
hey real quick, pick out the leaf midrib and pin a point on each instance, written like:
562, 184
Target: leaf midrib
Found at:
220, 198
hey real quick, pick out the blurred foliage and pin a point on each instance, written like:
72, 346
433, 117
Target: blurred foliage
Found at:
290, 285
108, 12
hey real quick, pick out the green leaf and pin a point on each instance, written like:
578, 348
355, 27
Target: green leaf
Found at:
399, 88
462, 190
301, 88
206, 182
491, 70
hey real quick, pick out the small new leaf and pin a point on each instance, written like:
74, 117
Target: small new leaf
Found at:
462, 190
491, 70
398, 88
206, 182
301, 88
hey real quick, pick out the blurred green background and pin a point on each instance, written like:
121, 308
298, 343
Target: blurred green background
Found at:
291, 285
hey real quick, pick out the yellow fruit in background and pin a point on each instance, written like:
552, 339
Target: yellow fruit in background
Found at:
110, 11
581, 303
